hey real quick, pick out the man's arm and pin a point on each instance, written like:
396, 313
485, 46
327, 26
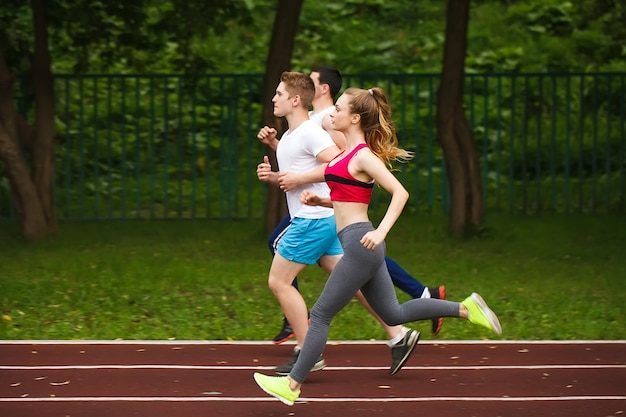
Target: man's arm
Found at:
289, 180
267, 135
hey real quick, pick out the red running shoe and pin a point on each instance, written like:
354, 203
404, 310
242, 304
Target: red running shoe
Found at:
439, 293
286, 333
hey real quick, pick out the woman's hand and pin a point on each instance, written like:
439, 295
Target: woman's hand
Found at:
310, 199
371, 240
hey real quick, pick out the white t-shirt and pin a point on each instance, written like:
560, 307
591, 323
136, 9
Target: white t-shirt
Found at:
319, 116
296, 152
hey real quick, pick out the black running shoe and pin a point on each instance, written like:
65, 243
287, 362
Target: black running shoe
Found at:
286, 333
440, 293
401, 351
286, 367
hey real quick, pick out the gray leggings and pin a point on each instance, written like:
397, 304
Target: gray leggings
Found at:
361, 268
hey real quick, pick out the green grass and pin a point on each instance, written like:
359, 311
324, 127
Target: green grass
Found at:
551, 277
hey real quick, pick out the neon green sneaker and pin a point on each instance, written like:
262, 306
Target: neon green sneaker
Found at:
277, 386
480, 313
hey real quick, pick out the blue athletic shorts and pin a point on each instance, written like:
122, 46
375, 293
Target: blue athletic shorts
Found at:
306, 240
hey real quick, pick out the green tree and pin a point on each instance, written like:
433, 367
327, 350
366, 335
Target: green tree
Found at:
278, 60
90, 28
453, 132
31, 180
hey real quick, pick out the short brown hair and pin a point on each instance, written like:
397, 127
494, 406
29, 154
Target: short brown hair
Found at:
299, 84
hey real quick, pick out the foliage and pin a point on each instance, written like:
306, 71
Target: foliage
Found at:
327, 35
125, 37
392, 36
170, 146
114, 132
156, 138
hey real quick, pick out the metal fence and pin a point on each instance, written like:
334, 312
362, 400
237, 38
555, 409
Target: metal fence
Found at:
169, 146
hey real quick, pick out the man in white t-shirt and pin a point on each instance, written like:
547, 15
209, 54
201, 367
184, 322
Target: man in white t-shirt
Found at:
311, 236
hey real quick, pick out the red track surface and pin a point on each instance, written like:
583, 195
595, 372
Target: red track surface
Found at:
116, 379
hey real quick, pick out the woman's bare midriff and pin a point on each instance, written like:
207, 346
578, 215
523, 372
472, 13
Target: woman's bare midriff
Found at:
347, 213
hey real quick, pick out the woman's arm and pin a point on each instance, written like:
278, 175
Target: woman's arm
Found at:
371, 165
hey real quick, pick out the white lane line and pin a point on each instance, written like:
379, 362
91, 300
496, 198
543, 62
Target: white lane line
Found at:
312, 400
330, 342
328, 368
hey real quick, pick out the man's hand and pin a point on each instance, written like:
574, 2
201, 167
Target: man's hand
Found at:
267, 135
288, 181
264, 171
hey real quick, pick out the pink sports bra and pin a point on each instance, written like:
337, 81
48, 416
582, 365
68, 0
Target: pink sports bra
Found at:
343, 186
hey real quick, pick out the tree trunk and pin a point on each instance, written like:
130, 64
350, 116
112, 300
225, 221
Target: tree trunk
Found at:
26, 201
31, 182
278, 60
453, 132
44, 150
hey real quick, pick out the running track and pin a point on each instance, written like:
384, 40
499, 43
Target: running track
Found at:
214, 378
